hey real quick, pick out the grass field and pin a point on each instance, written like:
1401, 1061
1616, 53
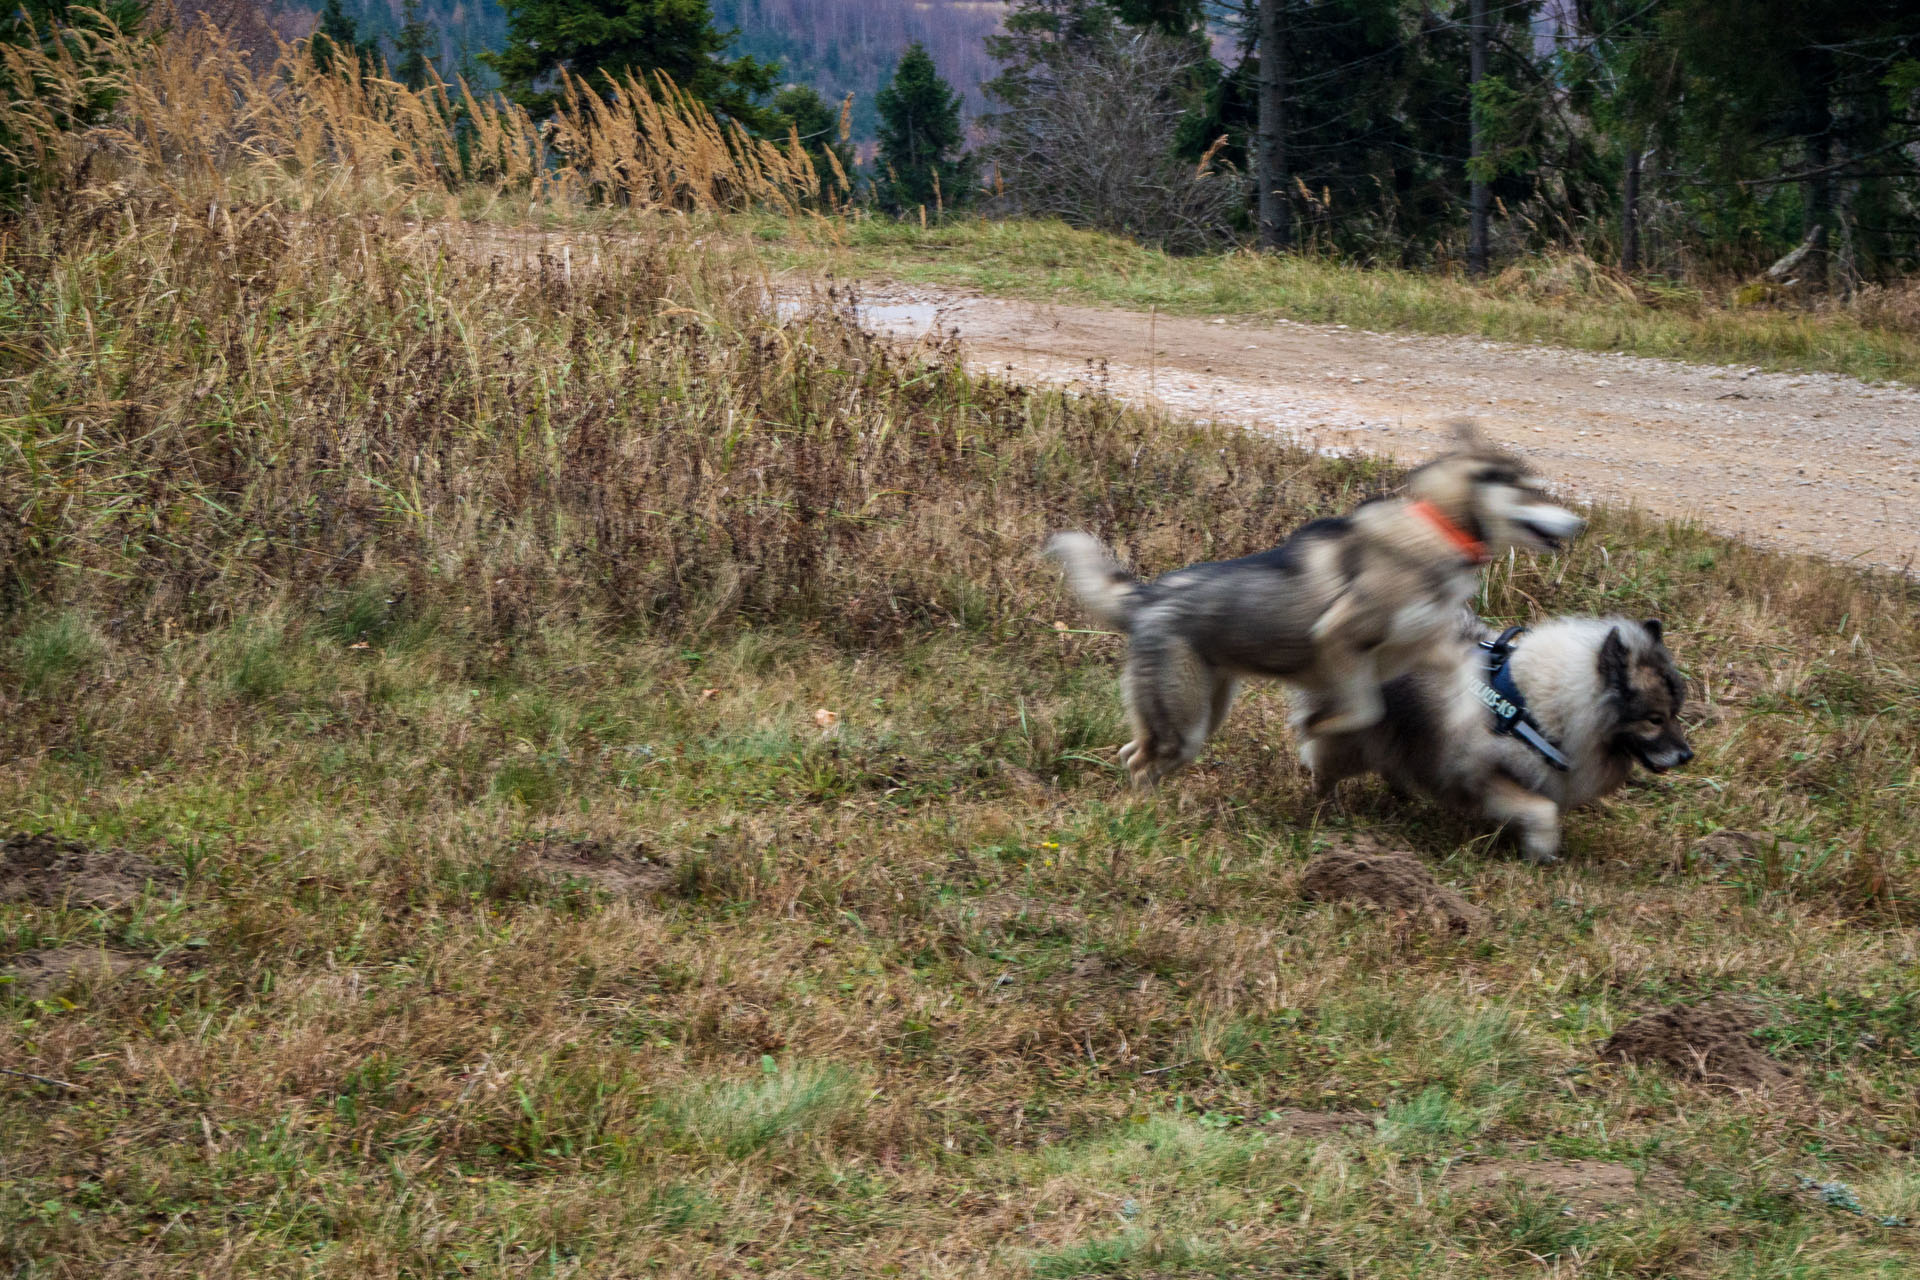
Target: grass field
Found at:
1876, 337
516, 777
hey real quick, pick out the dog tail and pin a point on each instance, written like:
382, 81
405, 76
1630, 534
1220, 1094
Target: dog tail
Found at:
1105, 589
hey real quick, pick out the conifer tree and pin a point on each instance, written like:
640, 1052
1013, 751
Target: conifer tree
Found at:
600, 40
338, 36
415, 66
818, 124
921, 161
46, 24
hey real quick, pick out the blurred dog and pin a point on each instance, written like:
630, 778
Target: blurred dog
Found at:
1338, 609
1520, 731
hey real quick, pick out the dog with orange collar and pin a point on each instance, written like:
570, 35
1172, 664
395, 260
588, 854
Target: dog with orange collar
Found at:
1341, 607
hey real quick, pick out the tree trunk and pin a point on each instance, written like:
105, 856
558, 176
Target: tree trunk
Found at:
1815, 68
1845, 256
1630, 213
1270, 167
1479, 197
1817, 201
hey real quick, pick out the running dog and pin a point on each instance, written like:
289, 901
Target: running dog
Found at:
1521, 727
1338, 609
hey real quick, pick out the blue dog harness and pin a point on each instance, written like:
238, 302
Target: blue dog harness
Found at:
1503, 698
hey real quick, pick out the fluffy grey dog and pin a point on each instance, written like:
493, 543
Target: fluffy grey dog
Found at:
1557, 720
1340, 607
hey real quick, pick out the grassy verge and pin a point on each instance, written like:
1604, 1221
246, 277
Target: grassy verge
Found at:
594, 788
1053, 262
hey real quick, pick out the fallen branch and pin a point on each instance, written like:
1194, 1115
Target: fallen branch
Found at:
29, 1075
1787, 265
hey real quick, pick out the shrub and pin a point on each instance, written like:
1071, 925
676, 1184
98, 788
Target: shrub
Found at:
1089, 137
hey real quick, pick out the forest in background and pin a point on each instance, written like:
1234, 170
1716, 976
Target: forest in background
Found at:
835, 46
1683, 138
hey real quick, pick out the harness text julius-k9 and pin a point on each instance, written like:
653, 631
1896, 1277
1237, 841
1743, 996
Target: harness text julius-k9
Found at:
1503, 698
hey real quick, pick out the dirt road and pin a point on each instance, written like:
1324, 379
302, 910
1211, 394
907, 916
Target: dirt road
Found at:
1812, 462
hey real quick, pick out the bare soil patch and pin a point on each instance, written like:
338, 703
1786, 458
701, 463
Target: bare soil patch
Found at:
47, 872
1391, 880
1322, 1124
1586, 1186
623, 869
1711, 1042
38, 974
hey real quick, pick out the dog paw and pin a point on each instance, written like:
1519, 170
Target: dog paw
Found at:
1541, 854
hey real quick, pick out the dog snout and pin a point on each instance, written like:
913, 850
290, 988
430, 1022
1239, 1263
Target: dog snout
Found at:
1558, 521
1667, 756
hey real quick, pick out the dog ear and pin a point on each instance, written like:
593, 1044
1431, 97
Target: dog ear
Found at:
1656, 630
1613, 660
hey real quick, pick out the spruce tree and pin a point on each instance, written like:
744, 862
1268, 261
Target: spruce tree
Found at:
415, 66
921, 163
338, 36
601, 40
799, 110
46, 24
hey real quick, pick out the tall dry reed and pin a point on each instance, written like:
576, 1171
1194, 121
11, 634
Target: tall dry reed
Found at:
195, 117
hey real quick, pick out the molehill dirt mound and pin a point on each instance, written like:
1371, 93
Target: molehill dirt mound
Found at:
617, 867
47, 871
1586, 1186
1388, 879
1711, 1042
1728, 849
37, 974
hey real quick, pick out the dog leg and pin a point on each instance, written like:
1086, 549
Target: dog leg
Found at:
1347, 671
1172, 695
1354, 701
1224, 689
1535, 817
1331, 761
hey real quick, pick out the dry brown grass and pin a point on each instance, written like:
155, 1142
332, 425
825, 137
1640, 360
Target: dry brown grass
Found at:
341, 583
447, 636
195, 115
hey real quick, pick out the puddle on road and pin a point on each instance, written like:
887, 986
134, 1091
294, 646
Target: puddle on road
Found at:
908, 319
894, 319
